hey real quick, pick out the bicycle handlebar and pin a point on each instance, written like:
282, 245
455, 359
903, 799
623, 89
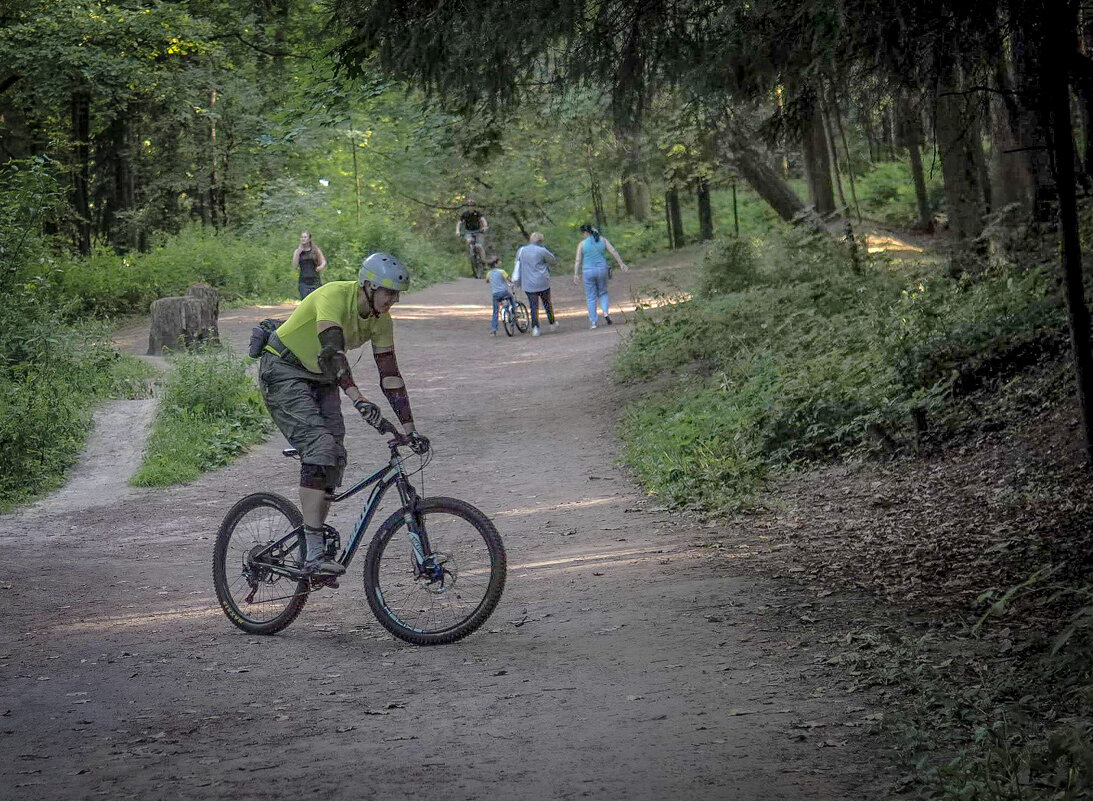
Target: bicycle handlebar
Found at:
397, 437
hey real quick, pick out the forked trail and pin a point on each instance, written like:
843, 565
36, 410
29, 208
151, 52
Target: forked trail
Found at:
619, 665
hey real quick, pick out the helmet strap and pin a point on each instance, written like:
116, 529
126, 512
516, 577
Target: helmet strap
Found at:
370, 297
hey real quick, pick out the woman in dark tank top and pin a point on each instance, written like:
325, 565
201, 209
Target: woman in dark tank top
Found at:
310, 261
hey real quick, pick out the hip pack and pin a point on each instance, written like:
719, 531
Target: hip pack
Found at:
259, 336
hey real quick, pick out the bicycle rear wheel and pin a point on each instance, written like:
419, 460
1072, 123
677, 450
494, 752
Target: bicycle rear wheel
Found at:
522, 317
253, 597
507, 319
467, 567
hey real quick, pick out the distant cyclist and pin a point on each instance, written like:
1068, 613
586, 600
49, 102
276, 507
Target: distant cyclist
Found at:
471, 226
302, 368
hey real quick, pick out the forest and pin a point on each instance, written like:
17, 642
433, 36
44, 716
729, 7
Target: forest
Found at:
146, 146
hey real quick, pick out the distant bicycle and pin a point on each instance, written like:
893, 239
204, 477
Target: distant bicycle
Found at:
434, 570
478, 267
515, 316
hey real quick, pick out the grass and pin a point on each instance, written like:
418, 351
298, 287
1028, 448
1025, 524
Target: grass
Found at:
210, 412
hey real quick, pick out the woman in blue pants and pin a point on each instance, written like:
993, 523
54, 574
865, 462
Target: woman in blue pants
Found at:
592, 257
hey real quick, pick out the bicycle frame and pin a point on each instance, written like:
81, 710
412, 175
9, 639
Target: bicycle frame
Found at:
392, 474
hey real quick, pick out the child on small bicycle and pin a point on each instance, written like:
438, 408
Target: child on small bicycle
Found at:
501, 288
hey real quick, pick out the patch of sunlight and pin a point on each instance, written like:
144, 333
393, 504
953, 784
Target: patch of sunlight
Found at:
890, 244
531, 510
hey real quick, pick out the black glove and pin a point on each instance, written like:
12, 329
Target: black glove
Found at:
369, 411
419, 443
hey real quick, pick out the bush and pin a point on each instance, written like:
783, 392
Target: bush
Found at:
729, 265
210, 411
54, 367
887, 193
795, 350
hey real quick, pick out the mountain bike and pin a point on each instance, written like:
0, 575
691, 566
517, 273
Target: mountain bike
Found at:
434, 570
515, 316
478, 267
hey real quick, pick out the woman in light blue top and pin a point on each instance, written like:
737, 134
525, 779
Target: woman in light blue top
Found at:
592, 256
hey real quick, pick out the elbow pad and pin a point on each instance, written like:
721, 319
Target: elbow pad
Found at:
332, 360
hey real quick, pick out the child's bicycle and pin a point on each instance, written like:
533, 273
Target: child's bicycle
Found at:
514, 315
434, 570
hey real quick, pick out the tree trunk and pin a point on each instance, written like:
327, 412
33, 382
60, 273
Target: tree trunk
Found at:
956, 138
81, 174
817, 164
214, 180
183, 322
833, 155
705, 210
737, 148
910, 132
628, 106
1058, 38
668, 221
846, 150
676, 217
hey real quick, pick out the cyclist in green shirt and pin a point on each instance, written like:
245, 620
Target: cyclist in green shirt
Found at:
302, 368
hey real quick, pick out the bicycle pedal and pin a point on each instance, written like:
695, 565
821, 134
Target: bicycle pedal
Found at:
318, 582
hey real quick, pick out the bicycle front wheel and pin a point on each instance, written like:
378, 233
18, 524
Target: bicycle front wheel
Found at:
522, 317
255, 598
507, 319
462, 583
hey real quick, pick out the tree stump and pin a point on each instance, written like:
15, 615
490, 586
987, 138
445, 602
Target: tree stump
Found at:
183, 322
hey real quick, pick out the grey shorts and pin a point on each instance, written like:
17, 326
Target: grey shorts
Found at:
306, 408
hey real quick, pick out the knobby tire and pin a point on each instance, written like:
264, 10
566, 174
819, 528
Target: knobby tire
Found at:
257, 517
393, 534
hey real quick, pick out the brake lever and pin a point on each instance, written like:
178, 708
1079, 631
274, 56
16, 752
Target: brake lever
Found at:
399, 439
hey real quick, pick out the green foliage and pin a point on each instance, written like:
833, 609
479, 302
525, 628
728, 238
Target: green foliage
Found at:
804, 350
210, 412
54, 369
729, 265
887, 193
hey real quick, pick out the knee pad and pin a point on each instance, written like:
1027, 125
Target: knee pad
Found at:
320, 476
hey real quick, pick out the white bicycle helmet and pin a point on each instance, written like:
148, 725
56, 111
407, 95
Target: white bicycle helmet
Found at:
384, 270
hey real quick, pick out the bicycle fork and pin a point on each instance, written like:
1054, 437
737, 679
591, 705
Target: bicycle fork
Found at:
426, 563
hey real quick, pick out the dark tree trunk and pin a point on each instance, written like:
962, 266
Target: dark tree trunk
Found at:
910, 131
833, 155
635, 190
956, 139
1032, 139
738, 149
846, 151
119, 186
668, 221
1060, 23
676, 217
628, 106
214, 176
705, 210
817, 163
922, 198
81, 174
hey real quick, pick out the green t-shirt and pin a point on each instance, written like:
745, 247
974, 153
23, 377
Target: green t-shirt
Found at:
336, 302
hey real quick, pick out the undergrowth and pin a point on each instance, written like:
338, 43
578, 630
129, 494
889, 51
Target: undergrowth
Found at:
798, 349
55, 367
210, 410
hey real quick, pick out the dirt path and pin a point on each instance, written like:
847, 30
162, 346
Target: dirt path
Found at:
619, 665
